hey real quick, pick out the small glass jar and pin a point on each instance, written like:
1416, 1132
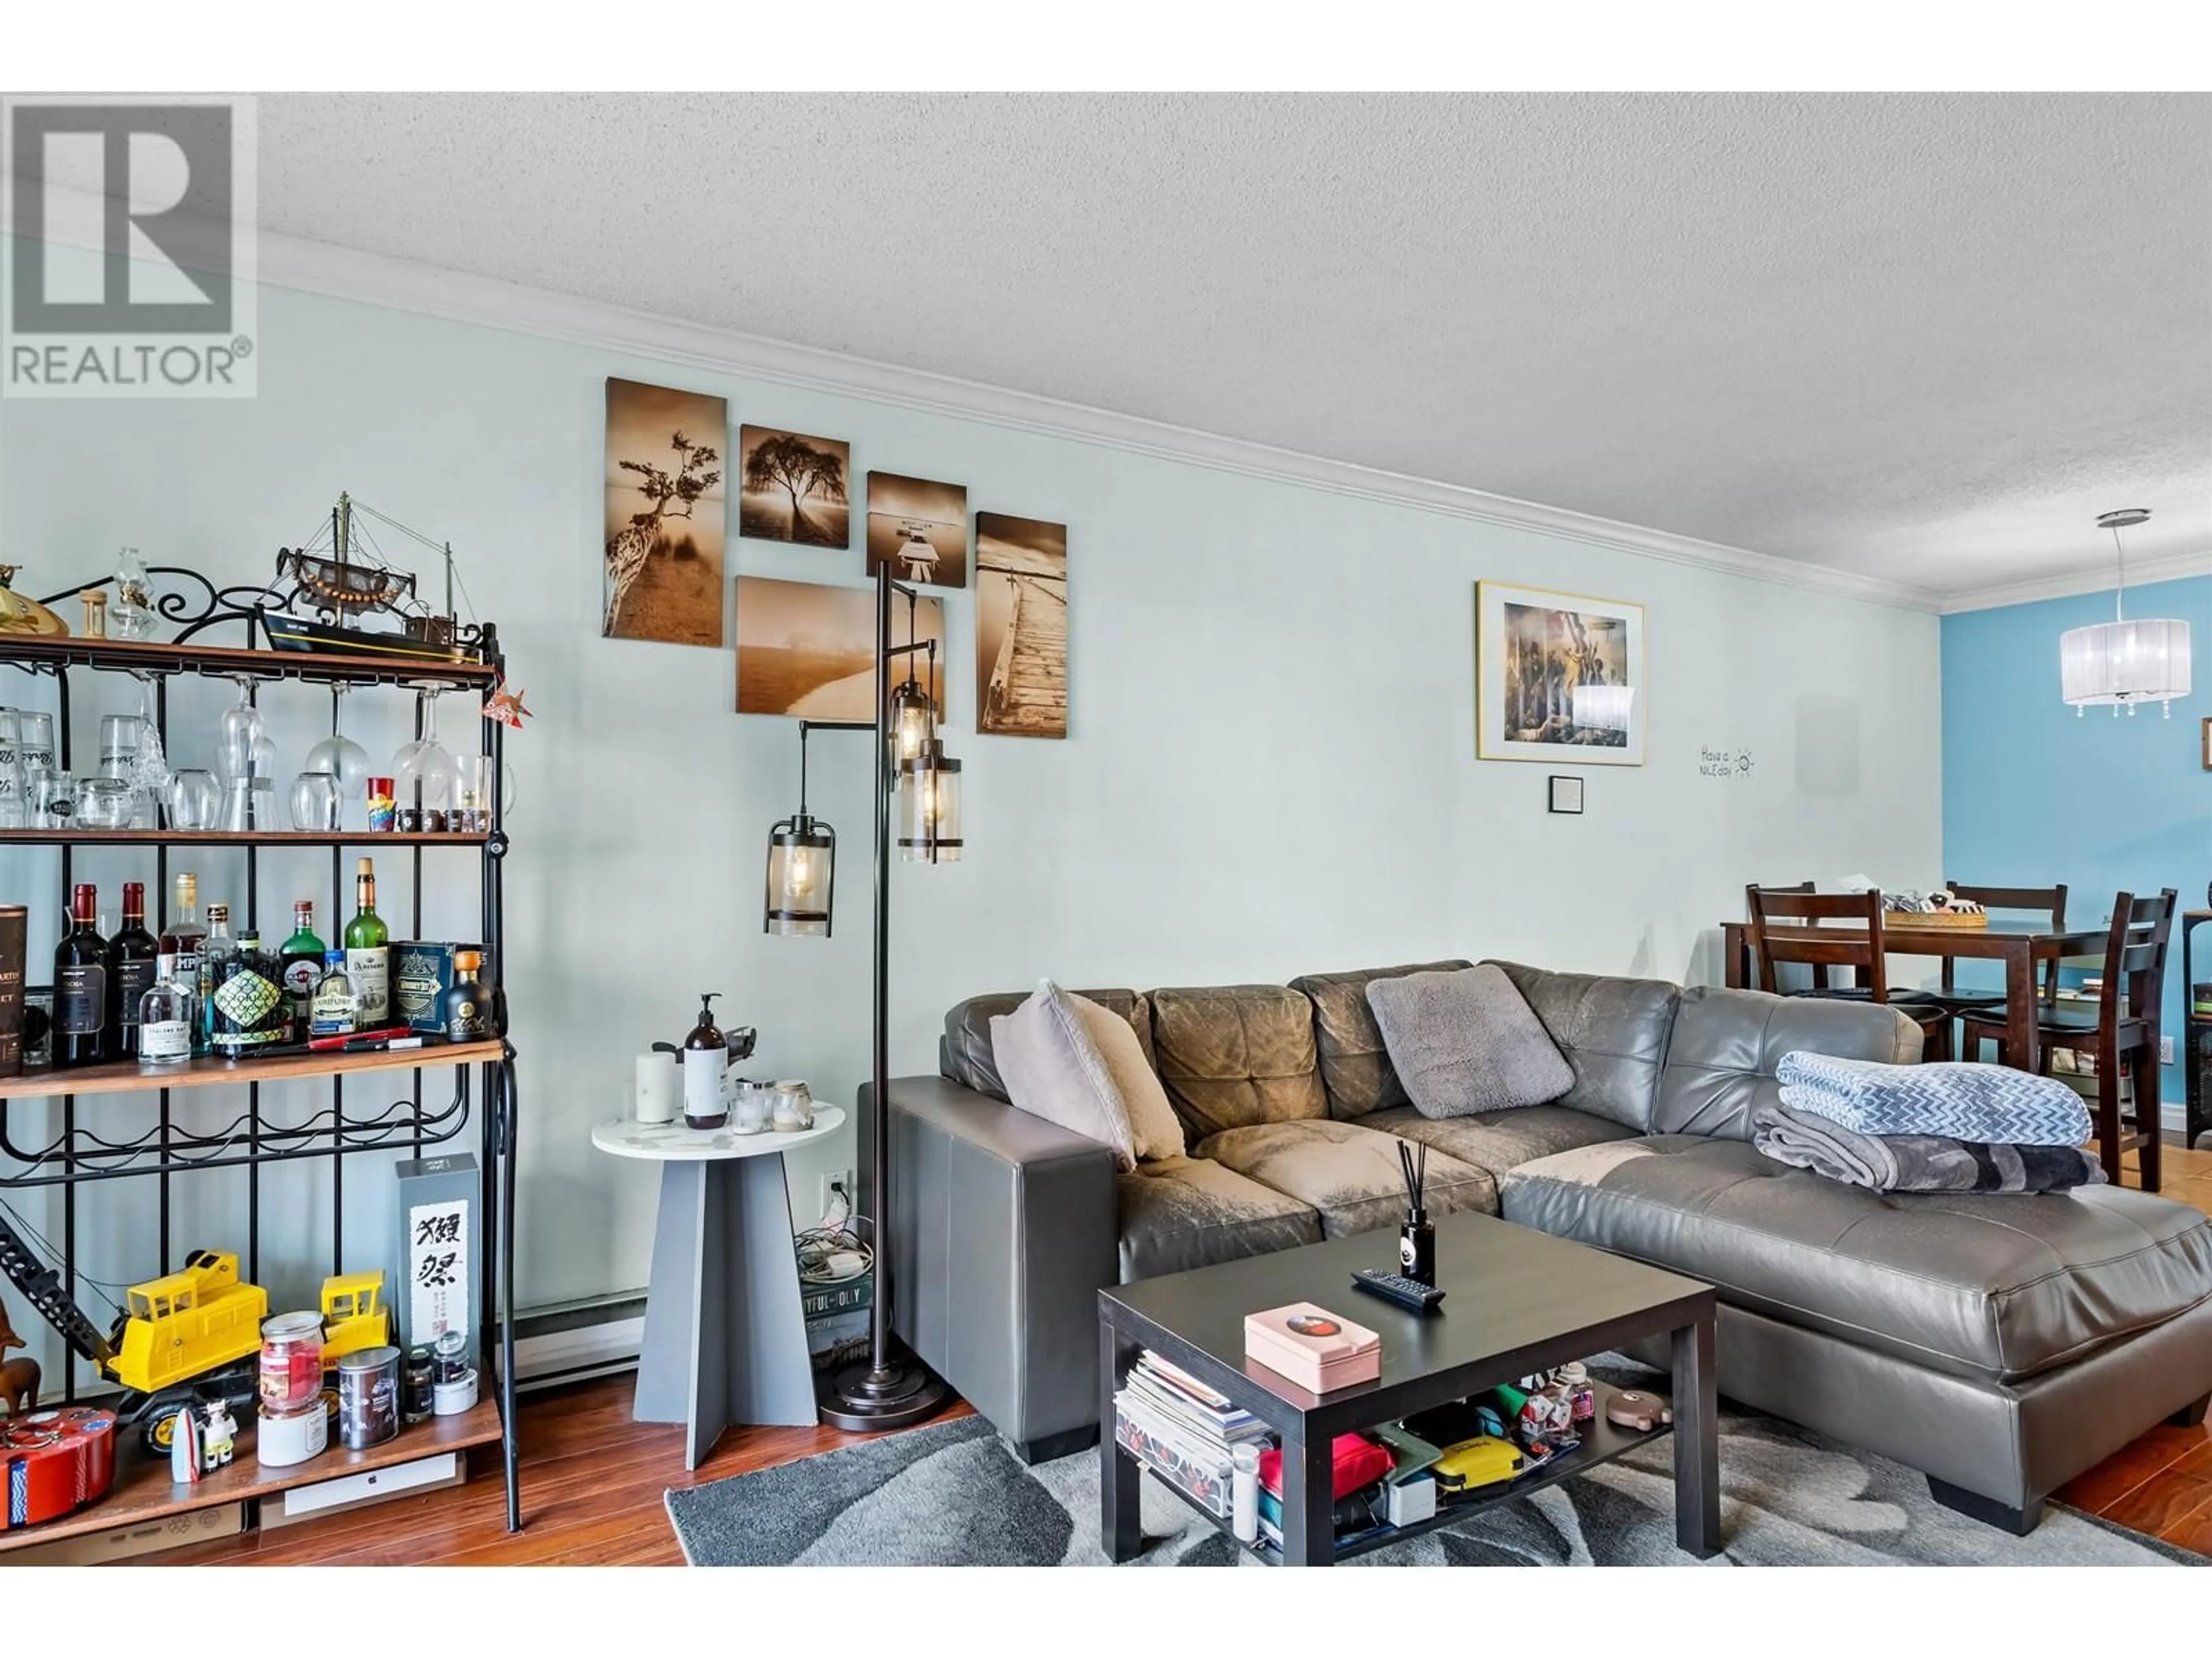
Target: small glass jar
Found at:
794, 1106
103, 803
752, 1107
449, 1357
291, 1362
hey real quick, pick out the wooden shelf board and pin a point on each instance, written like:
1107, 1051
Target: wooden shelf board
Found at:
125, 655
143, 1492
231, 838
128, 1077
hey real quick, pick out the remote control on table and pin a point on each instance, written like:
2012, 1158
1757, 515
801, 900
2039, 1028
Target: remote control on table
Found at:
1409, 1293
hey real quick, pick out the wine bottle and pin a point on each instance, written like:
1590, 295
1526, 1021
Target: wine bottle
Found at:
303, 965
367, 948
81, 984
215, 949
133, 959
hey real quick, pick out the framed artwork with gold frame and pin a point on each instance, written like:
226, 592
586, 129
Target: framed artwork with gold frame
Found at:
2207, 737
1560, 677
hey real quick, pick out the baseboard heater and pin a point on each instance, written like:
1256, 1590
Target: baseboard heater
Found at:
574, 1341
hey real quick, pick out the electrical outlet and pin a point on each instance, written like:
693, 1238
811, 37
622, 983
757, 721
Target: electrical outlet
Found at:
835, 1178
2165, 1051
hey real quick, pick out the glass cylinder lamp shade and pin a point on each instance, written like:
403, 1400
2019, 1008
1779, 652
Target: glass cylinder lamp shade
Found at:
802, 871
1604, 707
913, 721
929, 807
2121, 664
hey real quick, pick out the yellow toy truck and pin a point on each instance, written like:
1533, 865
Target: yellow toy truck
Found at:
354, 1316
187, 1323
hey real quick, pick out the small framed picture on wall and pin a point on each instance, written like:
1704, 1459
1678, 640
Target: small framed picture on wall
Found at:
2206, 738
1566, 793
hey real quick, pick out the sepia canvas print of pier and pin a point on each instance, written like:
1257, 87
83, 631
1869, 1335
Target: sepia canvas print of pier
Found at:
920, 528
1561, 677
1021, 627
792, 487
664, 515
810, 650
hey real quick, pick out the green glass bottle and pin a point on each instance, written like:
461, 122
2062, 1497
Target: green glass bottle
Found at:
368, 954
303, 965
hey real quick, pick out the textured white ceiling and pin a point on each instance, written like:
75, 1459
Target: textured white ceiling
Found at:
1921, 338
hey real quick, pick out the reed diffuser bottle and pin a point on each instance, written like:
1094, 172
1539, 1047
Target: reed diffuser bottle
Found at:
1417, 1238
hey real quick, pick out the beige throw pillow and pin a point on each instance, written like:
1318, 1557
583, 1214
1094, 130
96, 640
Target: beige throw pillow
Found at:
1055, 1067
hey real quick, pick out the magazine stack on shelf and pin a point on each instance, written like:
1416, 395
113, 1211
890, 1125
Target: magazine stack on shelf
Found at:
1183, 1431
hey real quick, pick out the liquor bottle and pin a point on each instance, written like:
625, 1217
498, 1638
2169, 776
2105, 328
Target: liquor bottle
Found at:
81, 984
337, 1011
247, 1000
464, 1010
367, 948
165, 1024
303, 965
178, 960
132, 960
218, 947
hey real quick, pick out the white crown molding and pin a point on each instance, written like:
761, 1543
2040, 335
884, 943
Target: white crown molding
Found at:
416, 286
2142, 573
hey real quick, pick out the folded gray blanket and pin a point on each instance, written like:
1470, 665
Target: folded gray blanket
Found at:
1916, 1164
1955, 1099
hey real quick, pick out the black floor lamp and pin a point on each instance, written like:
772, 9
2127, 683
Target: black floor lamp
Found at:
889, 1390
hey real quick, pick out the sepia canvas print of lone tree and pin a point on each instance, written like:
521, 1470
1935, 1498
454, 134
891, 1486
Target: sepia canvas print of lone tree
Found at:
792, 487
664, 515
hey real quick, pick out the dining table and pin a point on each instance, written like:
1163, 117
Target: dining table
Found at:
2022, 947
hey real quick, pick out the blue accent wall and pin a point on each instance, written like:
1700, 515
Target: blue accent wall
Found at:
2034, 792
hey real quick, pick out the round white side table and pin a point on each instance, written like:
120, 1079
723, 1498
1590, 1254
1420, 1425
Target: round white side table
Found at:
725, 1333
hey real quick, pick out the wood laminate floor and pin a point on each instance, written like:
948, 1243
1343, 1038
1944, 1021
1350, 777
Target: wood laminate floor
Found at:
593, 1481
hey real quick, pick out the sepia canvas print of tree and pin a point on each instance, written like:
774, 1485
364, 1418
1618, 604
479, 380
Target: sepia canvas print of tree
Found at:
664, 515
792, 487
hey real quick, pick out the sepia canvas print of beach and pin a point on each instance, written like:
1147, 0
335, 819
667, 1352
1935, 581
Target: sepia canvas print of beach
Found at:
810, 650
664, 515
920, 528
1021, 626
792, 487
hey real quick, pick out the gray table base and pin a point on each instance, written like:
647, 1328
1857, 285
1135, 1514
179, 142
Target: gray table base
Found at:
725, 1334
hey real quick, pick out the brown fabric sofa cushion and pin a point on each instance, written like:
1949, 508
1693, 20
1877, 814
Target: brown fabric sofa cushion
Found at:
1995, 1286
964, 1053
1237, 1054
1355, 1066
1348, 1172
1181, 1213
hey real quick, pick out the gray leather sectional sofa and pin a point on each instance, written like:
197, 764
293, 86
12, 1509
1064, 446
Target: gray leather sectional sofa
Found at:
2001, 1344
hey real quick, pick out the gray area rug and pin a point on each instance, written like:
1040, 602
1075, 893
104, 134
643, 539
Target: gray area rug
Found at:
950, 1494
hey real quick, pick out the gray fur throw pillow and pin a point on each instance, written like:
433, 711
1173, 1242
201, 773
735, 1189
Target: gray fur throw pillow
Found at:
1466, 1041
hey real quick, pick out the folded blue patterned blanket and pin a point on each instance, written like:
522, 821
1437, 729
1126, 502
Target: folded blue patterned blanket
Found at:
1954, 1098
1916, 1164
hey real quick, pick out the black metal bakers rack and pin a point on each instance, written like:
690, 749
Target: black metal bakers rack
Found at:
162, 1150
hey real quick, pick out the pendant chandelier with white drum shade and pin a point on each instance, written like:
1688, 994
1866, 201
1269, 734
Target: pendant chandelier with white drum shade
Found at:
2123, 663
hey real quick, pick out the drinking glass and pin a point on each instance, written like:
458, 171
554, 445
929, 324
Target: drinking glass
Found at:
424, 769
119, 736
340, 756
476, 792
192, 800
245, 737
103, 803
249, 806
315, 801
34, 737
49, 798
751, 1106
13, 794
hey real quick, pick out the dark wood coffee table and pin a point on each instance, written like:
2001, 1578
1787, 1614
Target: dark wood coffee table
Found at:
1516, 1301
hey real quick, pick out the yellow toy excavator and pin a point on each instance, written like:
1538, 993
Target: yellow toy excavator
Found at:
188, 1323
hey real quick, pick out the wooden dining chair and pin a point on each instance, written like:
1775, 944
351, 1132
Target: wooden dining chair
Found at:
1838, 930
1822, 976
2038, 901
2122, 1033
